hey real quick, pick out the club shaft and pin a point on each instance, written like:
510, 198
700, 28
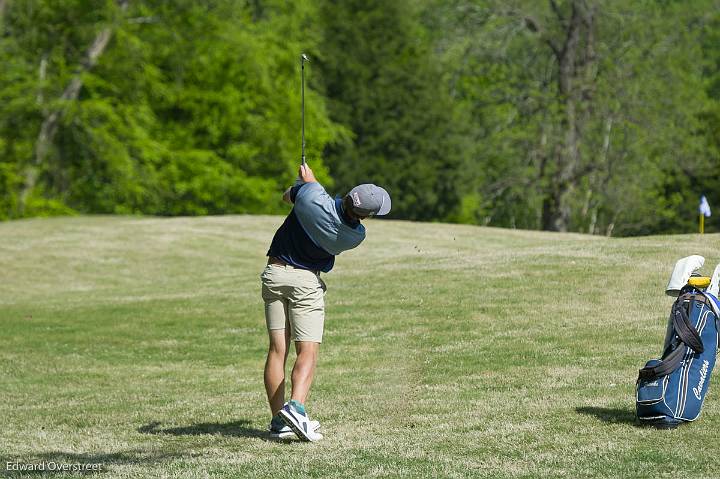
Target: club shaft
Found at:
302, 102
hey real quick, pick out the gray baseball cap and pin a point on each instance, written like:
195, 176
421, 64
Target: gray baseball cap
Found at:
370, 200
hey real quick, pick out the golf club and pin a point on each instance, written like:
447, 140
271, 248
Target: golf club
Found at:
303, 59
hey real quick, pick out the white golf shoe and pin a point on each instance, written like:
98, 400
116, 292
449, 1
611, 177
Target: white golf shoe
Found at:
285, 432
300, 423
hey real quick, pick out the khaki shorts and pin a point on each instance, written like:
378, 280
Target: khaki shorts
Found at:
294, 298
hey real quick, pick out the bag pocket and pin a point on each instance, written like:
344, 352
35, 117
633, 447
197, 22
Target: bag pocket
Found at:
652, 391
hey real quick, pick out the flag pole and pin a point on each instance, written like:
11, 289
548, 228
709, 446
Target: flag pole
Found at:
704, 210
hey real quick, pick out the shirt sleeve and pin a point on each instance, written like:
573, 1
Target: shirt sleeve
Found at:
308, 193
318, 216
294, 191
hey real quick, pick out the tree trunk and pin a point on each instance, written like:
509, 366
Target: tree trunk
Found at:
556, 213
50, 124
575, 59
593, 221
555, 217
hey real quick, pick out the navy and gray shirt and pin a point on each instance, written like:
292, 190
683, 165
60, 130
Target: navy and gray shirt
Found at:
315, 231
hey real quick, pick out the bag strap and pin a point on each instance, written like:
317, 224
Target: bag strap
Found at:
665, 367
687, 334
683, 327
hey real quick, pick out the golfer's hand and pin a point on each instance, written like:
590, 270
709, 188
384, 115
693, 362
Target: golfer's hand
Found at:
306, 174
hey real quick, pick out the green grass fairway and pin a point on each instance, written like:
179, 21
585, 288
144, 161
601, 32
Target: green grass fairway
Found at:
450, 351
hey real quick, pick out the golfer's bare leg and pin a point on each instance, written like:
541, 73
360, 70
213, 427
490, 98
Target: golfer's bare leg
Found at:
304, 370
275, 368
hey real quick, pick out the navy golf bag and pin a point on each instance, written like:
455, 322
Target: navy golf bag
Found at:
671, 390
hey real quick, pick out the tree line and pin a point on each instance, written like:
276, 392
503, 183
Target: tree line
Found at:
593, 116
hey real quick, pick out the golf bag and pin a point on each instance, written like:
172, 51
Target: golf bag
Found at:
671, 390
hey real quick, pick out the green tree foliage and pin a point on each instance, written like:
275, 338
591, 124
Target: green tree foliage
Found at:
708, 130
572, 115
381, 83
586, 111
192, 109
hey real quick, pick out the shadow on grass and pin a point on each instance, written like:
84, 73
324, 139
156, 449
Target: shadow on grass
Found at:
47, 464
232, 429
30, 465
610, 415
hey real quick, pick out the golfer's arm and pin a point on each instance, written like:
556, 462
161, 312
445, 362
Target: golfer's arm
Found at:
286, 196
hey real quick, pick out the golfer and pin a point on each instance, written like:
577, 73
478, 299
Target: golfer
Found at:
318, 228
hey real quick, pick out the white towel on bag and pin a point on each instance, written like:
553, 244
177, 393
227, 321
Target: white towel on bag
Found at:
684, 268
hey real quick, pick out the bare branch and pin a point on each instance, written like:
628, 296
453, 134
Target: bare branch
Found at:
558, 14
142, 20
535, 27
42, 73
571, 36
